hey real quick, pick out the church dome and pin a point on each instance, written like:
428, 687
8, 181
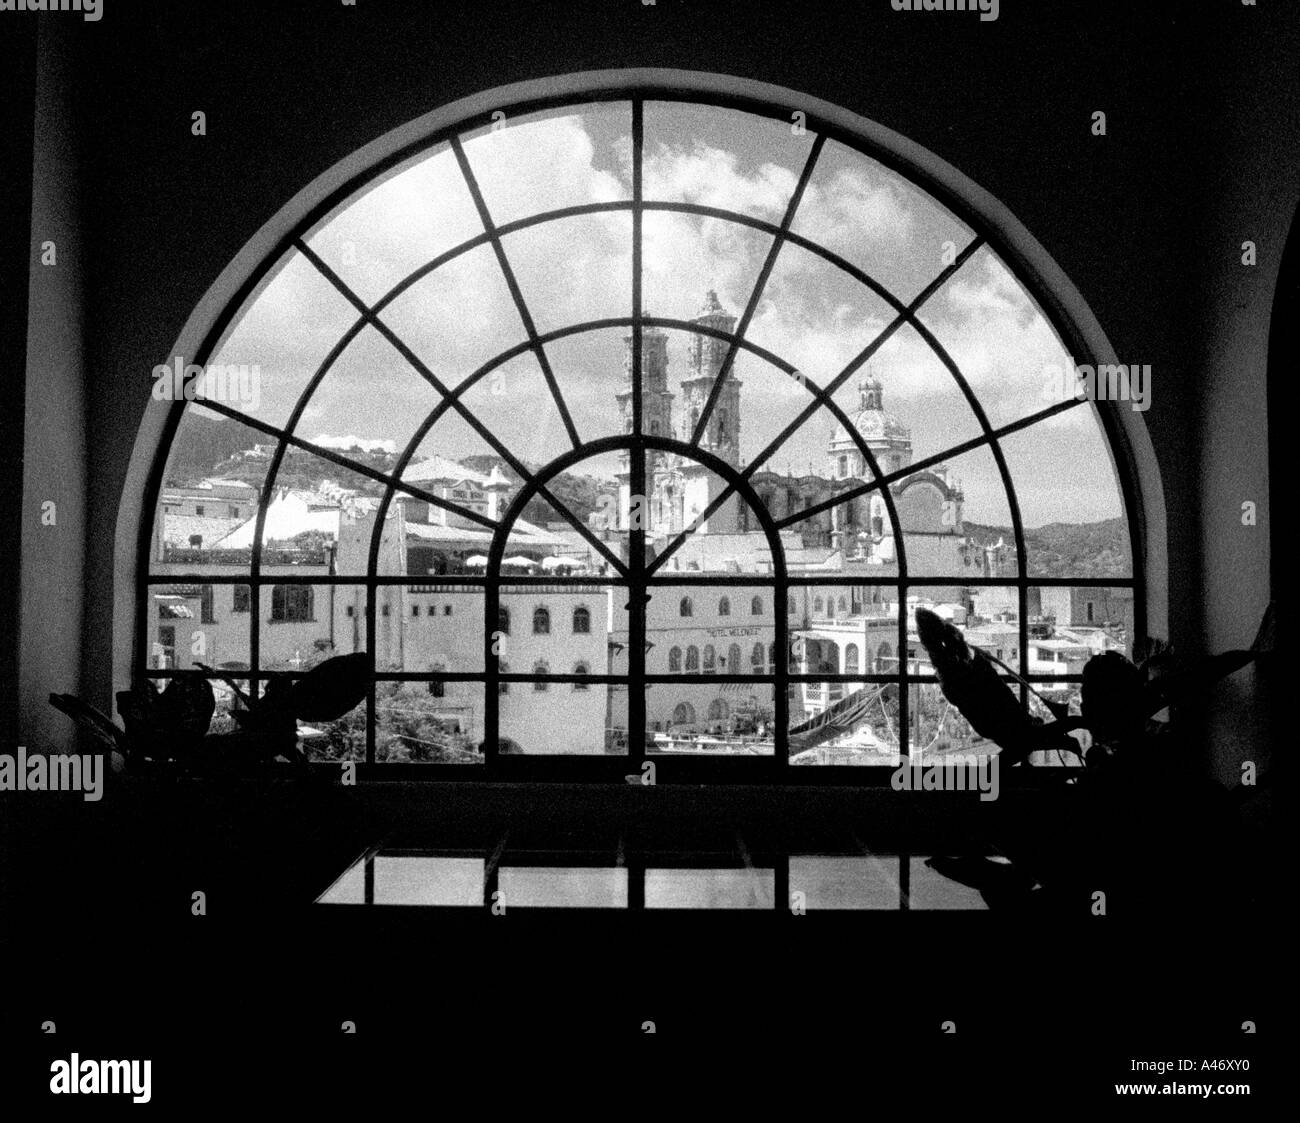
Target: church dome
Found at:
871, 420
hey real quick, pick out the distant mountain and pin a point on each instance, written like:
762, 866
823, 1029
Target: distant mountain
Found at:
1098, 549
205, 442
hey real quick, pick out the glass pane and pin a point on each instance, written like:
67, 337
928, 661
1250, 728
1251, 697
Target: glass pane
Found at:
692, 630
368, 404
940, 735
729, 540
1068, 625
393, 226
215, 474
711, 718
542, 161
686, 258
284, 332
844, 723
429, 722
722, 158
995, 333
949, 512
986, 616
878, 221
339, 740
195, 623
517, 406
428, 628
574, 269
593, 370
458, 317
303, 625
1074, 522
844, 882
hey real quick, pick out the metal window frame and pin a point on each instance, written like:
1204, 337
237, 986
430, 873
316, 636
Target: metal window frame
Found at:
636, 574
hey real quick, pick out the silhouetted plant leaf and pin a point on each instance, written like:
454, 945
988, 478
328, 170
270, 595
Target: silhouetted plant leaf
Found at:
329, 691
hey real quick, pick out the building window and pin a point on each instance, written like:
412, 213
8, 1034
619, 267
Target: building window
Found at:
292, 604
756, 606
206, 613
581, 669
242, 600
733, 660
415, 610
504, 668
851, 659
198, 510
541, 668
683, 714
547, 216
692, 659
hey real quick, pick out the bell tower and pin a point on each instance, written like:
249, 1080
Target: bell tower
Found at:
656, 408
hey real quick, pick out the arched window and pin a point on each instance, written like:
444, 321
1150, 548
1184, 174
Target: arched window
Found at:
541, 668
710, 658
851, 659
462, 229
581, 669
692, 658
683, 714
503, 687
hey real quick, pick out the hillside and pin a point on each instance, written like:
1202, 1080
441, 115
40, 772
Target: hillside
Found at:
1097, 549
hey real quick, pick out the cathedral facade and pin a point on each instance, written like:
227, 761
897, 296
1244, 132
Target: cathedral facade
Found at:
928, 502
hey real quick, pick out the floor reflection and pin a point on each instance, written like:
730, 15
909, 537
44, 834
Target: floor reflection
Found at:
624, 877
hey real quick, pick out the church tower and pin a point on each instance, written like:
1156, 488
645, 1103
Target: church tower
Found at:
722, 433
656, 408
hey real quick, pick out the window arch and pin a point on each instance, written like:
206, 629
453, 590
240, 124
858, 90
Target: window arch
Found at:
674, 660
724, 606
541, 667
687, 607
692, 658
756, 659
683, 714
851, 659
541, 621
718, 710
1000, 443
503, 620
756, 606
710, 658
581, 669
582, 620
733, 660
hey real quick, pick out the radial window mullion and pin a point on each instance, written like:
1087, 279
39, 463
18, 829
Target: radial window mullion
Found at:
512, 283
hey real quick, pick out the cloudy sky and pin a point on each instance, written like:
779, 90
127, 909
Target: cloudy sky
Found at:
811, 314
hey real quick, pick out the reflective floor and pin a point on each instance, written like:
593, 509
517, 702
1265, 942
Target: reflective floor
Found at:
510, 874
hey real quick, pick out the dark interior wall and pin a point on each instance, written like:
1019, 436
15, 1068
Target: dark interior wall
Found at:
1201, 153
